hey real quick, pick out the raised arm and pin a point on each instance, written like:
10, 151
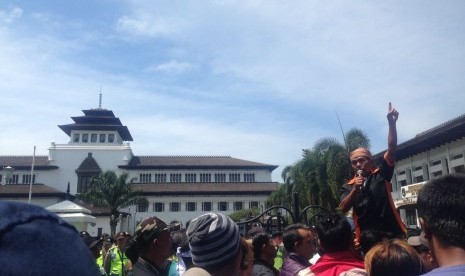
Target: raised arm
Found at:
392, 117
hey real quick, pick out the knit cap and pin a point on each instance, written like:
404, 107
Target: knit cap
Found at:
213, 239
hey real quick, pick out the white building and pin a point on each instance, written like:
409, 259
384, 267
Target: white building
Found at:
437, 151
177, 187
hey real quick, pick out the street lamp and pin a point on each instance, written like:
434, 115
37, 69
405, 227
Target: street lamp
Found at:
7, 173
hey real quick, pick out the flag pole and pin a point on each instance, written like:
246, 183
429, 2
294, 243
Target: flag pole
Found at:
32, 174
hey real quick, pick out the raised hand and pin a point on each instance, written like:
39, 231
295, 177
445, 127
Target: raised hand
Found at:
392, 114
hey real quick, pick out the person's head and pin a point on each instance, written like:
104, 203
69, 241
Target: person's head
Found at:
214, 242
247, 257
440, 203
121, 239
361, 159
179, 239
277, 238
263, 248
393, 257
93, 244
298, 239
255, 230
370, 237
151, 240
107, 242
420, 244
34, 241
334, 233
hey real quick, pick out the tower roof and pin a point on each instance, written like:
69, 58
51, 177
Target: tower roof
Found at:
98, 119
89, 165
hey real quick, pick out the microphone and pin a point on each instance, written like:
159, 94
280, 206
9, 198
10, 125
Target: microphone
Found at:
360, 173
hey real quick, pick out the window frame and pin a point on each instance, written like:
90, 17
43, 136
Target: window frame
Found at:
190, 204
205, 209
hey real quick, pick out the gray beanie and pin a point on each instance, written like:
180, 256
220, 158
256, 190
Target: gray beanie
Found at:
213, 239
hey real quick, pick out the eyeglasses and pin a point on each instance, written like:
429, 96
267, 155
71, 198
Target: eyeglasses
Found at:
361, 160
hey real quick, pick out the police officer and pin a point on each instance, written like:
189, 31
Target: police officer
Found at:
116, 262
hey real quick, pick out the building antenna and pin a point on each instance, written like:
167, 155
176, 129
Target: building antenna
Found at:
100, 98
345, 140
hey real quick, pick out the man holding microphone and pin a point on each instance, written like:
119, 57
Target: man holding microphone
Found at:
369, 191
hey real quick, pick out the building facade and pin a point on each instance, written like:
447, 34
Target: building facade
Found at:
178, 188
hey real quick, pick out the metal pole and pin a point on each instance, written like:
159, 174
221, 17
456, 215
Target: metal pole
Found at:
296, 208
32, 174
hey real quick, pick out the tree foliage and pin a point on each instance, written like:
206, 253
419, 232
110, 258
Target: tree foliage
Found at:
113, 192
244, 214
318, 176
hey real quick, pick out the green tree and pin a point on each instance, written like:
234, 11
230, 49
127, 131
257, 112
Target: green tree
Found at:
317, 177
244, 214
115, 193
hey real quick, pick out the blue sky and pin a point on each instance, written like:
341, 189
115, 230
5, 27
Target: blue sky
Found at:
256, 80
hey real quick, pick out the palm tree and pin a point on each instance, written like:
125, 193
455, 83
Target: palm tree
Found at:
317, 177
113, 192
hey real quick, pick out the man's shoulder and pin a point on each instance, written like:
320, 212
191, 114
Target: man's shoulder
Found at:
262, 269
351, 272
141, 267
449, 270
292, 264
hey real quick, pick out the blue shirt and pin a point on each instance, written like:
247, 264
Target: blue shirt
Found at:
448, 270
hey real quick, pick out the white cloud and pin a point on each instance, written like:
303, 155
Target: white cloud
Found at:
173, 66
146, 25
11, 14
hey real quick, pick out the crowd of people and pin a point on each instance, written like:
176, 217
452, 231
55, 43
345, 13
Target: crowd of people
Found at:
34, 241
212, 244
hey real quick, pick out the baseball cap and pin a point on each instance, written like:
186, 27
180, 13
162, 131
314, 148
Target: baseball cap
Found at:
418, 240
149, 228
122, 235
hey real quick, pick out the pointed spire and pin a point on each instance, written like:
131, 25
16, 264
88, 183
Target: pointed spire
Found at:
68, 190
100, 98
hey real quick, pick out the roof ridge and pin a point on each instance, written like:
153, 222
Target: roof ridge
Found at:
186, 156
441, 125
23, 156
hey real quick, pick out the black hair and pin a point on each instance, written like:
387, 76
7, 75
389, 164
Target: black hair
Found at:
291, 235
257, 243
370, 237
179, 238
277, 234
440, 204
334, 233
132, 250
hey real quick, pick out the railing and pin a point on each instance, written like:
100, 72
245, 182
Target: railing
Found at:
277, 218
